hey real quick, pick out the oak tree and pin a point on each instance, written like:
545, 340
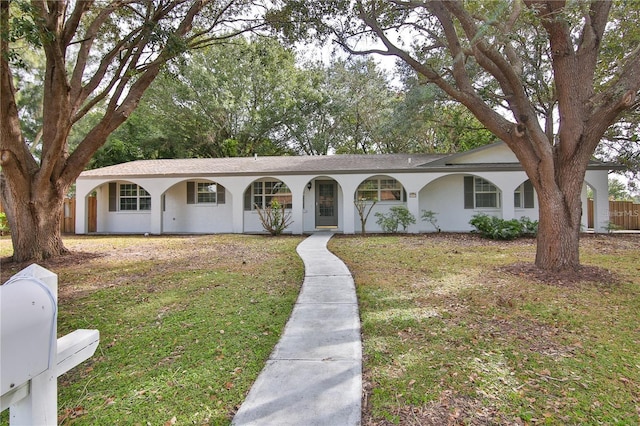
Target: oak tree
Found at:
99, 56
529, 70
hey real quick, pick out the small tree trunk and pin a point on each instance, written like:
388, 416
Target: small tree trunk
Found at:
558, 244
35, 226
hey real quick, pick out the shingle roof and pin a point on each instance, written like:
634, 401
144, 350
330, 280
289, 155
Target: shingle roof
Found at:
266, 165
310, 165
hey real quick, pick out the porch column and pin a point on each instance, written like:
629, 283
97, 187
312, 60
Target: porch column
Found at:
81, 214
82, 192
508, 209
600, 211
237, 206
156, 213
598, 180
349, 210
413, 205
297, 212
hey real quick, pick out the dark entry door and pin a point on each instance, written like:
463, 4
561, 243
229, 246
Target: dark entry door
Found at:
326, 203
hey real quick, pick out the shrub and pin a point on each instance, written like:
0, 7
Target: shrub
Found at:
274, 218
4, 225
501, 229
529, 227
430, 216
397, 216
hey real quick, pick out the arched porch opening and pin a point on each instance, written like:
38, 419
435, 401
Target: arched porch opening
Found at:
376, 194
119, 207
197, 206
260, 194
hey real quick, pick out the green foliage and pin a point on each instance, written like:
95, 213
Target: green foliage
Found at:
501, 229
24, 29
618, 190
362, 101
397, 216
430, 216
4, 225
274, 218
423, 120
610, 227
115, 151
225, 100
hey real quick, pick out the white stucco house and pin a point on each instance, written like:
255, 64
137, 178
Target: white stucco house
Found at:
219, 195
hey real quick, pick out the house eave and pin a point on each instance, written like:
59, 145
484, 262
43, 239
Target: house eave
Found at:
447, 168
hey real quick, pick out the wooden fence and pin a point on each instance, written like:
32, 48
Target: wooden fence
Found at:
622, 215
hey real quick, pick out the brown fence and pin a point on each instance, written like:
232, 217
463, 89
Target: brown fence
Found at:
68, 219
622, 215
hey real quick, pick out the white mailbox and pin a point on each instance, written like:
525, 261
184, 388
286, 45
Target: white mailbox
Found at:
28, 314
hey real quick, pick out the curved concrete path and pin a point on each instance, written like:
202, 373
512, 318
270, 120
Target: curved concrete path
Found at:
314, 375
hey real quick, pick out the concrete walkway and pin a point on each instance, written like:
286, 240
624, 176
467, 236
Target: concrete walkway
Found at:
314, 375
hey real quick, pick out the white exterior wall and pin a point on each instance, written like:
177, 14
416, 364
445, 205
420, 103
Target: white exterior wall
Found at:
180, 217
117, 222
490, 153
445, 197
440, 192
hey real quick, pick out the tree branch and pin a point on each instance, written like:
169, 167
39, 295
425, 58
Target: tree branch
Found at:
118, 110
11, 138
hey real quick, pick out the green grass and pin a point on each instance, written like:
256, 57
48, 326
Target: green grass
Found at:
187, 323
449, 336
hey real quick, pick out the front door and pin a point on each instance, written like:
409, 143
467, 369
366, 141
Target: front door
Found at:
326, 203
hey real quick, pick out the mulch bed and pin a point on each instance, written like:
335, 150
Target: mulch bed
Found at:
565, 278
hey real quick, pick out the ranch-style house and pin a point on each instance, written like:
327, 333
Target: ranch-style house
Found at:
220, 195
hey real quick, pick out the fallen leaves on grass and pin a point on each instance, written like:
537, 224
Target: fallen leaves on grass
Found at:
450, 409
70, 414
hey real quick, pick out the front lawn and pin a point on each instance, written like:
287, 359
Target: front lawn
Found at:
453, 336
186, 323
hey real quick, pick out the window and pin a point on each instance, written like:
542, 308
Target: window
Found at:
480, 193
380, 189
128, 197
523, 196
205, 193
262, 193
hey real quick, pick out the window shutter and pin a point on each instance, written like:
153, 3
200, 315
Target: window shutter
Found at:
247, 198
468, 192
221, 194
528, 195
191, 192
113, 196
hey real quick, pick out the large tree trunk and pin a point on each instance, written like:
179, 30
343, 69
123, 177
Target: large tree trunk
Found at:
558, 232
559, 193
34, 221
